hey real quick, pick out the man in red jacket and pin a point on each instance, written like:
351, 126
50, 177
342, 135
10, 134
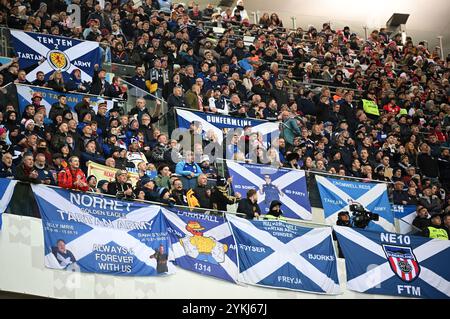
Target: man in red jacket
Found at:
73, 177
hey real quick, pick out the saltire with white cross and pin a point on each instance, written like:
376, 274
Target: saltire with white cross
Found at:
276, 254
337, 196
289, 184
217, 122
104, 234
219, 249
36, 49
6, 192
423, 272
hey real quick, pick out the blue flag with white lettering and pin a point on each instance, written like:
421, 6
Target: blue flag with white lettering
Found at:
93, 233
202, 243
277, 254
25, 94
6, 191
395, 264
49, 53
285, 185
337, 195
218, 122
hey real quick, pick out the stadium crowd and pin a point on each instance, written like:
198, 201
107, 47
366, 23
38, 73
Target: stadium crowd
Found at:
317, 99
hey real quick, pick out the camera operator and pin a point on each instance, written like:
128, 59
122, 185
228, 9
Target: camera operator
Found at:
343, 220
360, 216
120, 188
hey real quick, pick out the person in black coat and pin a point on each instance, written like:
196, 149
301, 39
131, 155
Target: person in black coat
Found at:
203, 192
348, 111
221, 196
99, 84
306, 104
176, 99
249, 206
422, 220
279, 93
120, 188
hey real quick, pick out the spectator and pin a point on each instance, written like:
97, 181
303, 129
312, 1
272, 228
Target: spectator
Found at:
44, 174
400, 197
222, 195
249, 206
120, 188
91, 180
203, 192
435, 230
99, 84
422, 219
59, 108
430, 201
26, 172
428, 164
188, 170
275, 211
178, 193
6, 166
72, 177
163, 178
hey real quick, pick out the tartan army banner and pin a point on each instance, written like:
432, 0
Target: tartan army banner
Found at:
49, 53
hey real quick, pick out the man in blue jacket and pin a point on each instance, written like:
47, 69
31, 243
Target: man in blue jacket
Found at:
188, 170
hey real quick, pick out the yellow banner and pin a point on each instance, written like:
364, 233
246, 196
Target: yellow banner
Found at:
370, 107
102, 172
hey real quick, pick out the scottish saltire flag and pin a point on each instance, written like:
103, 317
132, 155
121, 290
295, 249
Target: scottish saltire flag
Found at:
405, 215
6, 191
55, 53
395, 264
90, 233
337, 195
25, 93
202, 243
216, 123
276, 254
285, 185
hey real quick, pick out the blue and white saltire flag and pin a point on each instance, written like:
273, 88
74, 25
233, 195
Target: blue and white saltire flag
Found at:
25, 93
276, 254
405, 215
202, 243
395, 264
55, 53
337, 195
6, 191
90, 233
285, 185
217, 122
